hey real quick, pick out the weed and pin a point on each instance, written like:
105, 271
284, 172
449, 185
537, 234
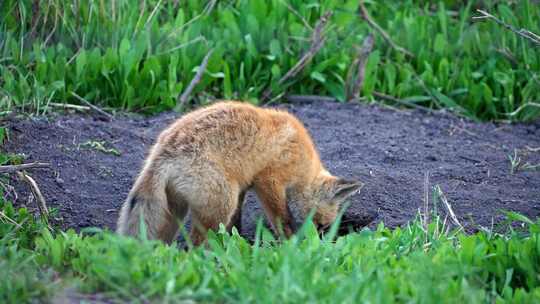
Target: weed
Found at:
12, 158
518, 164
100, 146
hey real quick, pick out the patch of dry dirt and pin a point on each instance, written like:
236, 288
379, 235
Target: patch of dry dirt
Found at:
388, 150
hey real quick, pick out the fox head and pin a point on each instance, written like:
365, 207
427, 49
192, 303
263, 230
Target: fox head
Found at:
326, 194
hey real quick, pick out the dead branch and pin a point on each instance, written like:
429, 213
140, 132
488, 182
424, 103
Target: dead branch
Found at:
401, 101
531, 149
316, 98
524, 33
309, 98
206, 11
317, 42
508, 55
42, 205
93, 107
365, 15
196, 79
53, 29
16, 168
297, 14
353, 90
69, 106
2, 214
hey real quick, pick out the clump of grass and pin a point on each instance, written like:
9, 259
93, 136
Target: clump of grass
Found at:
142, 56
517, 163
22, 278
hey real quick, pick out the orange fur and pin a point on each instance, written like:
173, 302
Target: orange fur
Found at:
207, 159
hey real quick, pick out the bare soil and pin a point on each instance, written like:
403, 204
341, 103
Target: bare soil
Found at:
389, 150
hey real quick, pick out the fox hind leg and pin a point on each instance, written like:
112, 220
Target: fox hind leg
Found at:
178, 207
219, 208
236, 220
153, 212
150, 203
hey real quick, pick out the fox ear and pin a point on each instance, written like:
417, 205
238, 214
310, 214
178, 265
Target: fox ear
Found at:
344, 188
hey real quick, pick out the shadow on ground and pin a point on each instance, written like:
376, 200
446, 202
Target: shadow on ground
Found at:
389, 150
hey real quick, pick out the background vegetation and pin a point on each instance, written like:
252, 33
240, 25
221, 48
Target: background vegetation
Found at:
141, 55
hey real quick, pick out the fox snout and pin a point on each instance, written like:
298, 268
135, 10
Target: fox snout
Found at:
337, 190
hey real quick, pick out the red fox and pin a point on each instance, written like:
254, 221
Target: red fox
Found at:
206, 161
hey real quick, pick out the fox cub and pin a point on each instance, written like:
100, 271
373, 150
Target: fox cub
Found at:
209, 158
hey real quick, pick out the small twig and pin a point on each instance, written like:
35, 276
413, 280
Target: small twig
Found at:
275, 98
448, 207
309, 98
353, 90
73, 57
462, 129
206, 11
523, 106
531, 149
532, 37
196, 79
42, 205
297, 14
183, 45
401, 101
426, 199
93, 107
152, 13
317, 42
365, 15
508, 55
36, 14
2, 214
16, 168
53, 29
69, 106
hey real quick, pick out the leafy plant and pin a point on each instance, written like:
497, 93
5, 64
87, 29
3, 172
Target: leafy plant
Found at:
100, 146
141, 57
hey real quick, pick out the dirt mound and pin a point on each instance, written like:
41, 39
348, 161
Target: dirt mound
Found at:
94, 162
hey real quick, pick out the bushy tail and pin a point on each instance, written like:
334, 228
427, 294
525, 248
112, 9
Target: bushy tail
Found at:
146, 210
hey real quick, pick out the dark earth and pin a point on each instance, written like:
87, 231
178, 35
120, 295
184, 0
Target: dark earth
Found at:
389, 150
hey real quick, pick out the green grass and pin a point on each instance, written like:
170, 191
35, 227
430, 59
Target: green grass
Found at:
140, 55
411, 264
